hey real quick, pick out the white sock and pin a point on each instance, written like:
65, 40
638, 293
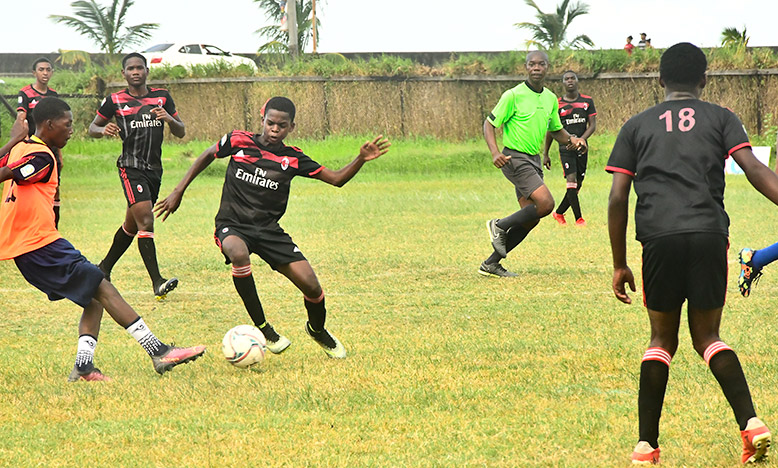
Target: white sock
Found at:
86, 352
140, 331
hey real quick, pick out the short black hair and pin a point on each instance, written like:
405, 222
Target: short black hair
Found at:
569, 71
629, 37
49, 108
280, 103
683, 64
131, 55
40, 60
533, 52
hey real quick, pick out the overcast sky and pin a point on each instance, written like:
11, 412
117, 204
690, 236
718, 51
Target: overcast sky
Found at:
402, 25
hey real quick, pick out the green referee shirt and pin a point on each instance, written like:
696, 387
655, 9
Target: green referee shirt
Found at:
526, 116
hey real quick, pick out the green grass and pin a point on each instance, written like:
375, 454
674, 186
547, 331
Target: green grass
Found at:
445, 368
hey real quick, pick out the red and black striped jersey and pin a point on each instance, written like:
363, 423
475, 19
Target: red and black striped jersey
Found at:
140, 131
575, 114
258, 178
28, 99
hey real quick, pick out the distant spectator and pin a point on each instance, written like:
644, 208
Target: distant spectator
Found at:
648, 44
629, 45
643, 42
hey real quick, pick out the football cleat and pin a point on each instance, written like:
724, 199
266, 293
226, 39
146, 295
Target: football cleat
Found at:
580, 222
756, 441
175, 356
92, 376
748, 274
275, 343
160, 292
560, 218
498, 237
327, 341
496, 270
644, 454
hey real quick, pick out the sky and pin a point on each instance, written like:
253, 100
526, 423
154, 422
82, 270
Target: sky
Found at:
404, 25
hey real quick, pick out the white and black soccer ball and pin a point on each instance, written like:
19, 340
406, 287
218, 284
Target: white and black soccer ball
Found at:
244, 345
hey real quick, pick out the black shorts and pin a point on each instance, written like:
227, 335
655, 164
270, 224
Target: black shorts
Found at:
139, 185
682, 267
523, 171
60, 271
574, 162
270, 242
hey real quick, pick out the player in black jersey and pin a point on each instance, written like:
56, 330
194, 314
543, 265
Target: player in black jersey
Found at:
674, 153
28, 98
579, 117
254, 197
140, 113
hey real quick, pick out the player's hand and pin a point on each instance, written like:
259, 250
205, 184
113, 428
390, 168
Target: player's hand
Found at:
161, 114
577, 144
622, 276
111, 129
499, 160
168, 205
20, 128
546, 161
374, 149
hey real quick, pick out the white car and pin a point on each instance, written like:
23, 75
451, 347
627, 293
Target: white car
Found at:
188, 54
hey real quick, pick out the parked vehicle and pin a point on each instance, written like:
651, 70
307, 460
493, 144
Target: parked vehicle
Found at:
189, 54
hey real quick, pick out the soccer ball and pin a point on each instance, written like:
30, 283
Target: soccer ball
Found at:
244, 346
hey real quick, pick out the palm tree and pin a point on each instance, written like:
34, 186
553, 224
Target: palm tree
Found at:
731, 37
105, 25
278, 38
550, 31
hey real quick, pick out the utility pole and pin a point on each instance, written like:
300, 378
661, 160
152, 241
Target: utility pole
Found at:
313, 24
291, 22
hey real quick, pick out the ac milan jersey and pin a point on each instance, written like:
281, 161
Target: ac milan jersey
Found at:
256, 186
140, 131
575, 114
29, 97
675, 151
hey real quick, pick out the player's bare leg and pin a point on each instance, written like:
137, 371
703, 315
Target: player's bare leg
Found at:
238, 252
302, 275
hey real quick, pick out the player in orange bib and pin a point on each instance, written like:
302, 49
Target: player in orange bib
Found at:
51, 263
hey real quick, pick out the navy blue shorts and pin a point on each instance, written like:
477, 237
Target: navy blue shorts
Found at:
60, 271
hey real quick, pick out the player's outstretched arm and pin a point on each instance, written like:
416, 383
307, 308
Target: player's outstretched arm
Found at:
572, 143
102, 127
618, 205
367, 152
170, 204
759, 175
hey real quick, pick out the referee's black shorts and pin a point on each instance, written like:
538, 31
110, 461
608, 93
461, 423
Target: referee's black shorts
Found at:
681, 267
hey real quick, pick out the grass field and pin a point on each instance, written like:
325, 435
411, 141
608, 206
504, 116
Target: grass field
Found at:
445, 368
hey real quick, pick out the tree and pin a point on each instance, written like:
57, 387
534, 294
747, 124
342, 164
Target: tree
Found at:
550, 31
731, 37
105, 25
278, 38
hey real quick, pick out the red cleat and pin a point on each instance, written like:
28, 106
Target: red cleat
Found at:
94, 376
580, 222
560, 218
756, 441
644, 454
175, 356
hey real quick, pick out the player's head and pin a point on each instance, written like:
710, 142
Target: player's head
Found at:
41, 70
537, 66
277, 119
570, 80
134, 69
682, 67
53, 121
